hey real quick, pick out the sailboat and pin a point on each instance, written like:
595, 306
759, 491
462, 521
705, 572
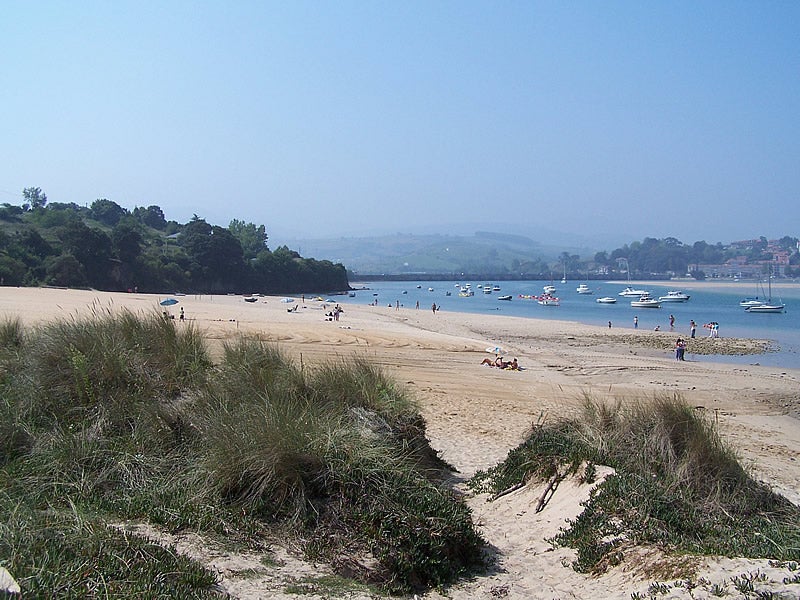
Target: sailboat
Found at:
768, 306
630, 292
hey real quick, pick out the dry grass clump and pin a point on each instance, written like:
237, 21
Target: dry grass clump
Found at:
119, 416
676, 484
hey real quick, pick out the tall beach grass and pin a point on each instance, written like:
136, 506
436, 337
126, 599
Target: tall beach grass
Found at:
676, 484
120, 416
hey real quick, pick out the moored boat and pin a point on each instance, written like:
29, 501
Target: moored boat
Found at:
766, 307
507, 297
633, 293
606, 300
769, 306
674, 296
645, 301
583, 289
549, 300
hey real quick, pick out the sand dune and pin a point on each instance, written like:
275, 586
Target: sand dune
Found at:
476, 414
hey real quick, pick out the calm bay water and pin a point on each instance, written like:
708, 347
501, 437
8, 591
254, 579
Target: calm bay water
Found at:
711, 302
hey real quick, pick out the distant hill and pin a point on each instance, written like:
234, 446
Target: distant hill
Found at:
401, 253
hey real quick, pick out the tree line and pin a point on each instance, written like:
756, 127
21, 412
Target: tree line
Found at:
108, 247
652, 258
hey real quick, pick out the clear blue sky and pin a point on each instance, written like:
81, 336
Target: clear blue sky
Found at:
337, 118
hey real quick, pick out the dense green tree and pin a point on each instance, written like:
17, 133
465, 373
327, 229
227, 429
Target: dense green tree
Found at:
152, 216
253, 238
107, 212
92, 248
66, 271
126, 241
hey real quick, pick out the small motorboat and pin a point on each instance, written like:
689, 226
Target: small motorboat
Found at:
674, 296
251, 299
548, 300
507, 297
633, 293
496, 288
549, 290
606, 300
645, 301
583, 289
748, 302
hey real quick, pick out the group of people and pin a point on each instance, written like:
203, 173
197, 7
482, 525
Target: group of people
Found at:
334, 314
167, 315
713, 329
501, 364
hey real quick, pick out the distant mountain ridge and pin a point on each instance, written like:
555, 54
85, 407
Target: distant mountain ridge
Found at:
480, 252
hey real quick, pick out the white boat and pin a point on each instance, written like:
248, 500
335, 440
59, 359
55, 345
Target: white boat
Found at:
755, 301
768, 306
606, 300
466, 292
584, 289
496, 288
674, 296
549, 289
645, 301
548, 300
748, 302
633, 293
487, 289
508, 297
629, 291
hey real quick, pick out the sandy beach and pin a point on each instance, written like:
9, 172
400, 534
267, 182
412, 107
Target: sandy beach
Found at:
476, 414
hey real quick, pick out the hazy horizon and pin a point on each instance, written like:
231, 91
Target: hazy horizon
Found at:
602, 120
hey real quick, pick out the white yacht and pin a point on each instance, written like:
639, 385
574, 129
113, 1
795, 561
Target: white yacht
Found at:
584, 289
645, 301
633, 293
674, 296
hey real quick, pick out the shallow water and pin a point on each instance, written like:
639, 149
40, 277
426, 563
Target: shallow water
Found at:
710, 302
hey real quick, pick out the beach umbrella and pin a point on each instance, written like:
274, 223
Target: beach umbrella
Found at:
168, 302
495, 350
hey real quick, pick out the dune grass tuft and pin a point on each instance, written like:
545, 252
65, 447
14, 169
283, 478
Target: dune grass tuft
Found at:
675, 484
119, 416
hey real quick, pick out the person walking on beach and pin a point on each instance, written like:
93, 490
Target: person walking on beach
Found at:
636, 322
680, 349
434, 307
692, 328
671, 322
